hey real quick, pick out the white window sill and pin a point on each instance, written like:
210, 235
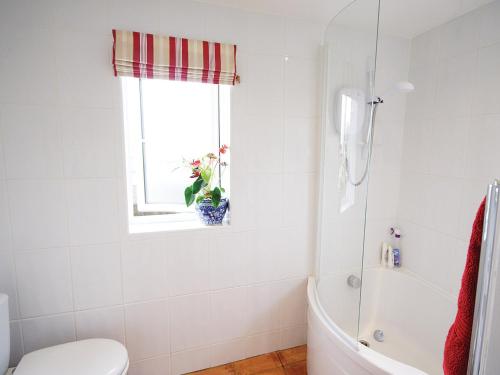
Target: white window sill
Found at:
167, 223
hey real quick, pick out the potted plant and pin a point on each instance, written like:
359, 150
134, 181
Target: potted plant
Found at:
211, 206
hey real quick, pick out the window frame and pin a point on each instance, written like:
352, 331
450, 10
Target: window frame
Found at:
140, 211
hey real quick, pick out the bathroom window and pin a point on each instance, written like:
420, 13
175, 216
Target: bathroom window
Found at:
167, 123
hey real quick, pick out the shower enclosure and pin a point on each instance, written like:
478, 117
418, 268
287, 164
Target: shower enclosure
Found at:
366, 317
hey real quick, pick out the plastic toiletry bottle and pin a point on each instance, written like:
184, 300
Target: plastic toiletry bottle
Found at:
390, 257
385, 254
396, 251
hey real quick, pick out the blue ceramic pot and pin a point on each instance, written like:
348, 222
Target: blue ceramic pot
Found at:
209, 214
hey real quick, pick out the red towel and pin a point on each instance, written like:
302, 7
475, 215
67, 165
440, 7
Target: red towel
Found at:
456, 350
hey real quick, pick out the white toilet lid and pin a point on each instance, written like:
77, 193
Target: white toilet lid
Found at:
86, 357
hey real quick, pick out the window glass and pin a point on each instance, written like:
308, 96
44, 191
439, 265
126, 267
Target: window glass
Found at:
168, 122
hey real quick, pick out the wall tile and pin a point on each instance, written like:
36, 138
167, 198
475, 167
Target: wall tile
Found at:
263, 343
455, 85
487, 80
183, 19
442, 204
471, 194
31, 142
229, 26
228, 314
91, 16
468, 5
297, 251
22, 81
300, 200
242, 208
83, 61
490, 28
16, 344
5, 230
295, 336
153, 366
93, 211
425, 49
265, 79
44, 282
8, 283
346, 234
301, 144
423, 101
2, 162
229, 258
269, 207
96, 276
228, 351
38, 212
130, 15
393, 60
391, 134
416, 145
144, 270
482, 150
383, 193
103, 323
264, 142
49, 331
190, 360
460, 35
90, 140
147, 329
264, 308
302, 38
191, 315
266, 34
448, 140
292, 296
187, 264
411, 204
268, 253
457, 265
301, 87
25, 14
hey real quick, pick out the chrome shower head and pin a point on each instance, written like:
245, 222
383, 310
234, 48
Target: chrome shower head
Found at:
404, 86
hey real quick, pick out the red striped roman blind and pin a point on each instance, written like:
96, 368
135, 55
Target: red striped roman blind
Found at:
144, 55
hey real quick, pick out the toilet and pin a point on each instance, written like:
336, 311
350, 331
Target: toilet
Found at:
86, 357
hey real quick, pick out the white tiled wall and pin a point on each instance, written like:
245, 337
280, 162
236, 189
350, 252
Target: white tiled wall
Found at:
450, 144
180, 301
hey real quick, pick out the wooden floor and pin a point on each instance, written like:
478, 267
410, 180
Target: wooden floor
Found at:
283, 362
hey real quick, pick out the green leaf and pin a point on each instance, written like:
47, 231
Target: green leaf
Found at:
199, 198
197, 185
205, 175
216, 195
222, 189
189, 196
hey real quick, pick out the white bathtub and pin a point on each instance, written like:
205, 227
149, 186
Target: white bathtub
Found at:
414, 316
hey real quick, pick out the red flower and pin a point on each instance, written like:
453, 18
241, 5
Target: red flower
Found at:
195, 163
223, 149
196, 173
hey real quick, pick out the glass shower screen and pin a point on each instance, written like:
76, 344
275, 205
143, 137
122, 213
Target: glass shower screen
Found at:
350, 59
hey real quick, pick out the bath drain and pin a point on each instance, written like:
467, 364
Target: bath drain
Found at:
365, 343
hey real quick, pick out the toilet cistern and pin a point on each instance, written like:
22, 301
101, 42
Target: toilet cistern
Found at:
4, 334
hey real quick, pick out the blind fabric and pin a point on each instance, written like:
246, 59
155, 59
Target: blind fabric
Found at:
144, 55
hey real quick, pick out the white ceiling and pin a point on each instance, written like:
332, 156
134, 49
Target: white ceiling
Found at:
406, 18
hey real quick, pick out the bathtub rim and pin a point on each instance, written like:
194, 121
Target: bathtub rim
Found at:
371, 360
